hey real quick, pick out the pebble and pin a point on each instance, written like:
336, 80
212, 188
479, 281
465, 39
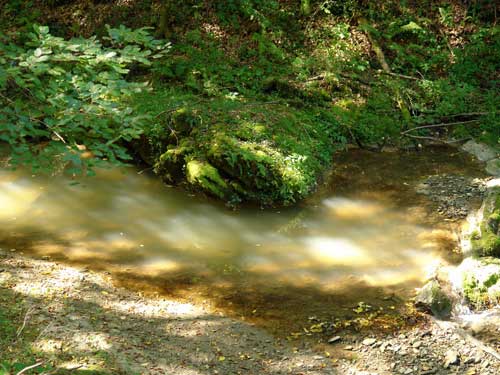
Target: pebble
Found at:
453, 193
369, 341
469, 360
334, 339
451, 358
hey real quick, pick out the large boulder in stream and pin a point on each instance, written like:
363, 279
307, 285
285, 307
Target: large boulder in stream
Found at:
238, 151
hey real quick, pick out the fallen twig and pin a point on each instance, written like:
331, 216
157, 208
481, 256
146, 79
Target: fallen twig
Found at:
252, 104
465, 114
173, 109
435, 139
55, 371
29, 368
398, 75
323, 76
42, 332
25, 320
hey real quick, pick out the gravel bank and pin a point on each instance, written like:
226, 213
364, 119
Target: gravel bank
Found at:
84, 321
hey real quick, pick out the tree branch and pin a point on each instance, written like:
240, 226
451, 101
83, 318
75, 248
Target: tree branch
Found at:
439, 125
436, 139
398, 75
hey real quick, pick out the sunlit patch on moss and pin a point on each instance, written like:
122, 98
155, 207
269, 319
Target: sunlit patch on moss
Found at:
207, 177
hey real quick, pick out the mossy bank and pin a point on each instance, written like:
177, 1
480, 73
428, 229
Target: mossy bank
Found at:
238, 150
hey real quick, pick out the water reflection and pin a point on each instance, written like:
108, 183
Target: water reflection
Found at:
133, 220
133, 225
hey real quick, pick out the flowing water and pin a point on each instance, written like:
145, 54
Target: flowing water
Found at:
365, 236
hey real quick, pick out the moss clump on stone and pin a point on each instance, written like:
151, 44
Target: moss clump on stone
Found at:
204, 175
481, 283
487, 242
170, 164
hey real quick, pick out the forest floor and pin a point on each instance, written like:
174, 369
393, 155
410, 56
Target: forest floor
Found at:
73, 320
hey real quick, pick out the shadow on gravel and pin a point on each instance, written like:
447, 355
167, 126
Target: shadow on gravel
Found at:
78, 318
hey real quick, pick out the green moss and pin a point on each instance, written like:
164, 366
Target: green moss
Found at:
170, 164
488, 242
182, 121
206, 177
481, 282
481, 294
487, 245
270, 153
475, 294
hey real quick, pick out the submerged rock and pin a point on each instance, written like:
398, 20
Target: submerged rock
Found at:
453, 193
432, 298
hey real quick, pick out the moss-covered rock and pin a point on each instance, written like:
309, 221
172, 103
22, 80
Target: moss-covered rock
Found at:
486, 240
170, 164
480, 281
433, 298
238, 150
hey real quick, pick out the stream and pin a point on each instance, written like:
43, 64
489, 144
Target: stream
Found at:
365, 237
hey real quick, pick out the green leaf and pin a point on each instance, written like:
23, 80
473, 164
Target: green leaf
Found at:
411, 26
